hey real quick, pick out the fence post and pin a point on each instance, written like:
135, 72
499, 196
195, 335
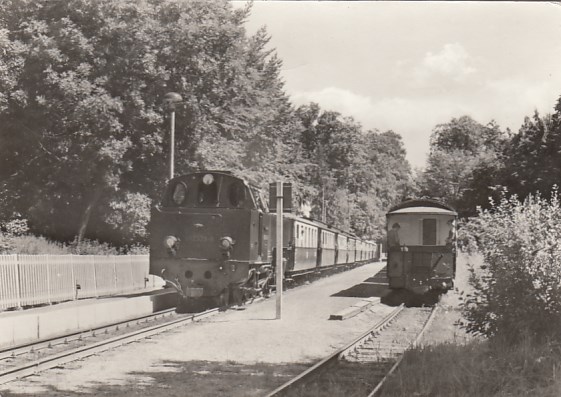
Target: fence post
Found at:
114, 273
47, 261
19, 307
95, 277
133, 280
74, 285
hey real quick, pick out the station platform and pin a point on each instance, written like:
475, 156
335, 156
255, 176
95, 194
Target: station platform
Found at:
49, 321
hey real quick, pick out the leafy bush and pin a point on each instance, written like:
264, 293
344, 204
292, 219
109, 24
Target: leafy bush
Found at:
517, 294
92, 247
14, 239
129, 217
36, 245
9, 231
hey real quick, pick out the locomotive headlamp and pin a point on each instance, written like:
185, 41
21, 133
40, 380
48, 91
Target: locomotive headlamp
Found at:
226, 243
208, 179
170, 242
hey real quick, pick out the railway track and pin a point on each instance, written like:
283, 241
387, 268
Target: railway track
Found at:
361, 367
31, 358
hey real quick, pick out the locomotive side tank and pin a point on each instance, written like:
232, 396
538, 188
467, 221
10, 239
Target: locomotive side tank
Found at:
421, 246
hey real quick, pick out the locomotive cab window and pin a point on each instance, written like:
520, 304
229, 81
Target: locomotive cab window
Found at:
179, 193
208, 191
237, 194
259, 202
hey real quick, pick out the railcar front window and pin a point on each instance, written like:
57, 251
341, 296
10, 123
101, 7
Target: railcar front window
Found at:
429, 231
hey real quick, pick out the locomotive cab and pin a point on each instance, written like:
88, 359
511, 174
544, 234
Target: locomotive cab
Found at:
421, 246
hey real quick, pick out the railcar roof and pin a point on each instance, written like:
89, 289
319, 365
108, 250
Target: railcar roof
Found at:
422, 206
319, 224
423, 210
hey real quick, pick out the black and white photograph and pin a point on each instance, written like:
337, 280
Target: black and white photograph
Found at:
280, 198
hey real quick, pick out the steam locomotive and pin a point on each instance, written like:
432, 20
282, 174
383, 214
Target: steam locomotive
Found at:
212, 238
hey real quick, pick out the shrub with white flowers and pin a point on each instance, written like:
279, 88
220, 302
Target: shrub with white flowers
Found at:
517, 293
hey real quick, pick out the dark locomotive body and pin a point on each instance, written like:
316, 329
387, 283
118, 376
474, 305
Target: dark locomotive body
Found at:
212, 237
421, 246
208, 234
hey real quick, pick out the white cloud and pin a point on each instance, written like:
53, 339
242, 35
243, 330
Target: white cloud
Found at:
451, 62
332, 98
509, 100
412, 118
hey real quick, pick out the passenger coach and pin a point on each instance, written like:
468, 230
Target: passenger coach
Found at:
421, 246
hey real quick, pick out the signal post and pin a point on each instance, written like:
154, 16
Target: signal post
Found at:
279, 265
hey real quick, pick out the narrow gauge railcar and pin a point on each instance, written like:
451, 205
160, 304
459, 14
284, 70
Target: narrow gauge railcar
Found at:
212, 237
421, 246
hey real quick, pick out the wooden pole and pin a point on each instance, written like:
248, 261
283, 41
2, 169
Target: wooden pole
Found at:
279, 264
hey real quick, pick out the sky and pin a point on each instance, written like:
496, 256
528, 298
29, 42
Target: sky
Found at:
409, 66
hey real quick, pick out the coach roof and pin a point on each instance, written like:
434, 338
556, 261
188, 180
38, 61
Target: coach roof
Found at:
422, 206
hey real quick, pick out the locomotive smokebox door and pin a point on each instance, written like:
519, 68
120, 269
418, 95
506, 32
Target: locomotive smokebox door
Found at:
287, 197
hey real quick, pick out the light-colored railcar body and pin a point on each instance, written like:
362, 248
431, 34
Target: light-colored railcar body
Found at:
421, 246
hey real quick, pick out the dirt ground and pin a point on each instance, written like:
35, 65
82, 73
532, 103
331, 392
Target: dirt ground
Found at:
240, 353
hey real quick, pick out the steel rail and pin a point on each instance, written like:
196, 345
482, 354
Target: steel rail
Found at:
398, 362
335, 356
88, 350
12, 351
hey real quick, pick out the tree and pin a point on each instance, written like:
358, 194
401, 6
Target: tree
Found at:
465, 163
533, 155
358, 175
82, 128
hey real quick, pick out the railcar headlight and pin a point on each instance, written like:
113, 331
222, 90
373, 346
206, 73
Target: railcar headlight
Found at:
226, 243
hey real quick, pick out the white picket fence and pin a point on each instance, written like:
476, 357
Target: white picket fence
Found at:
27, 280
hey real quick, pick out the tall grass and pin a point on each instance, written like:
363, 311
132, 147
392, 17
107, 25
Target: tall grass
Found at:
478, 368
